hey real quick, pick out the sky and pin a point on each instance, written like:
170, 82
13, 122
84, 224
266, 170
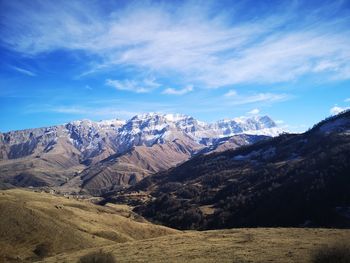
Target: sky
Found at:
69, 60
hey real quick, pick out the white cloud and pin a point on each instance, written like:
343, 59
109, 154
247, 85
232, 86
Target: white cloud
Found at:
336, 110
144, 86
254, 112
233, 98
231, 93
90, 112
24, 71
188, 41
347, 100
68, 110
171, 91
257, 98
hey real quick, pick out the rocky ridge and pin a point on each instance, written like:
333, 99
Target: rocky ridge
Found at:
115, 152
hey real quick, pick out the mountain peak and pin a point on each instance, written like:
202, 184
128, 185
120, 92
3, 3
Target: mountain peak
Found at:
176, 117
144, 129
170, 117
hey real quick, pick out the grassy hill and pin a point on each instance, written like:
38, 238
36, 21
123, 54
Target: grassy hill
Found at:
233, 246
35, 225
49, 228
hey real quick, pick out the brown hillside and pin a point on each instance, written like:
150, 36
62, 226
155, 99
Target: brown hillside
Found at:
52, 225
255, 245
130, 167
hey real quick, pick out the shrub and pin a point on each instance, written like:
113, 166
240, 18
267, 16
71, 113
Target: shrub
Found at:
97, 257
332, 254
42, 250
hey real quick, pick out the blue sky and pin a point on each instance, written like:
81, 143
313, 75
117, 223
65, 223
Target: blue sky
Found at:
68, 60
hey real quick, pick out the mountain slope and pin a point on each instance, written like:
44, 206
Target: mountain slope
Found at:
100, 156
290, 180
128, 168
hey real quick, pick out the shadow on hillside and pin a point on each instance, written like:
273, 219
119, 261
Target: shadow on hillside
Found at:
337, 253
97, 257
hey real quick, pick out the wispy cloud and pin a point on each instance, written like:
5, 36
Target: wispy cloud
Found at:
347, 100
90, 112
231, 93
24, 71
254, 112
187, 41
238, 99
104, 109
143, 86
68, 110
171, 91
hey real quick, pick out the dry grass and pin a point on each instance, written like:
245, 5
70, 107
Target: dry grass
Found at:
28, 220
261, 245
97, 257
65, 230
207, 209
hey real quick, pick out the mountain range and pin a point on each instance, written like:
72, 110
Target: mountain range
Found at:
97, 157
186, 174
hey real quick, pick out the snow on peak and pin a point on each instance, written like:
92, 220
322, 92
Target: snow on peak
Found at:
264, 121
86, 122
176, 117
115, 122
151, 128
165, 117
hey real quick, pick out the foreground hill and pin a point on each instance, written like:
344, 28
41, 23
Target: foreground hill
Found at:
36, 225
290, 180
48, 228
255, 245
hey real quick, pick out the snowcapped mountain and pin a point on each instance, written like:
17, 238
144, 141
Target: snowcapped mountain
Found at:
148, 129
97, 140
114, 152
